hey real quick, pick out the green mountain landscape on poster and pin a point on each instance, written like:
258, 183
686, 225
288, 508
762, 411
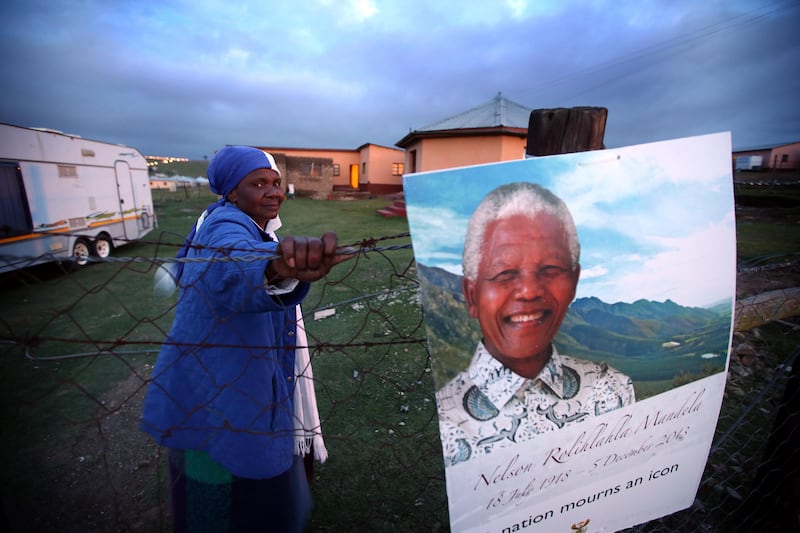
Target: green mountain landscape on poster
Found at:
658, 344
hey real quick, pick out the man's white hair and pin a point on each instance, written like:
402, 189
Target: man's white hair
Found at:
520, 198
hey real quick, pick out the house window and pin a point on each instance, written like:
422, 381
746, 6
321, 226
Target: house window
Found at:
785, 158
397, 169
412, 160
311, 168
336, 169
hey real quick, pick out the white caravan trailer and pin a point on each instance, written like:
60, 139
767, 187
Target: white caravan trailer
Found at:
63, 196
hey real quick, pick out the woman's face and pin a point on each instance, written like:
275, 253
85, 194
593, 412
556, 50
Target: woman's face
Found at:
260, 195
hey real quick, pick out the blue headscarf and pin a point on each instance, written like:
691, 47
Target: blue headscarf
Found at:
231, 164
227, 168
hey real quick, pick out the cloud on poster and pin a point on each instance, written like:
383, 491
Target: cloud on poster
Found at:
650, 227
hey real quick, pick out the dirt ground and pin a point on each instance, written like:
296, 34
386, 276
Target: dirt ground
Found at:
756, 281
107, 476
101, 476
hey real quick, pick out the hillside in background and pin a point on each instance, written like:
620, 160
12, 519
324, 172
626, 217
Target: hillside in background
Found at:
662, 343
192, 169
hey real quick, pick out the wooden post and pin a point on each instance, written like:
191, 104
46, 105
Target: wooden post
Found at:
763, 308
566, 130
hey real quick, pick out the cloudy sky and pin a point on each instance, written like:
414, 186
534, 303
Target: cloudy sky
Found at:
655, 221
185, 77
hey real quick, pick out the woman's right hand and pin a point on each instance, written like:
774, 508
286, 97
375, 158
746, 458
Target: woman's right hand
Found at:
307, 258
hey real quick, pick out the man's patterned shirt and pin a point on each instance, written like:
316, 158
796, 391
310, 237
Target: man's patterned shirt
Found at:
488, 406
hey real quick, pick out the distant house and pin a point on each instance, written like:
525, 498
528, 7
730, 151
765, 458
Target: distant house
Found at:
492, 132
163, 182
172, 183
318, 172
775, 157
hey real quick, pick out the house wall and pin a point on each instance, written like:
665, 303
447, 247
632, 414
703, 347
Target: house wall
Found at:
169, 185
448, 152
378, 177
774, 157
513, 148
311, 176
344, 158
791, 152
374, 164
764, 153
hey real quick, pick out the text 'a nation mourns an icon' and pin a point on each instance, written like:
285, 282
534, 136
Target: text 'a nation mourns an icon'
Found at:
579, 311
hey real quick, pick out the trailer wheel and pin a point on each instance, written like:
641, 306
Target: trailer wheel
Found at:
81, 251
103, 246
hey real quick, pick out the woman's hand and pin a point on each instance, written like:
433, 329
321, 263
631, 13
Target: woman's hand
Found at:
307, 258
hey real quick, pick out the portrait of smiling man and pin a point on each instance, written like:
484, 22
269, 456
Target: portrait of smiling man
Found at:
521, 269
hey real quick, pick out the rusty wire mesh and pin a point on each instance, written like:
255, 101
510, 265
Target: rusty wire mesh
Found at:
77, 462
751, 482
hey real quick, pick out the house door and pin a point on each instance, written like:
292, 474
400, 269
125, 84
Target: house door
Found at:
354, 176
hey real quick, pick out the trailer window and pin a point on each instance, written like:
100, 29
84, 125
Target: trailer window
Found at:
15, 217
67, 171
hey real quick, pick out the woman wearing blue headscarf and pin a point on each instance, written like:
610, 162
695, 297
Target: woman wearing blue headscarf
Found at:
227, 395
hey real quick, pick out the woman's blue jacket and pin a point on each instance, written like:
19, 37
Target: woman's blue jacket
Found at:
223, 381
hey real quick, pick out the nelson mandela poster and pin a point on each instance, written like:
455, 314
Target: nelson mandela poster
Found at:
578, 311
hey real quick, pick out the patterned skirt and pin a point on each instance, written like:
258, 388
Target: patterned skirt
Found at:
207, 498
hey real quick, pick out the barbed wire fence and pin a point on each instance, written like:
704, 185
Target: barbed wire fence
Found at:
78, 348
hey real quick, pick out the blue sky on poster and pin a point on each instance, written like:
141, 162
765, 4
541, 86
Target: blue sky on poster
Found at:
181, 77
655, 221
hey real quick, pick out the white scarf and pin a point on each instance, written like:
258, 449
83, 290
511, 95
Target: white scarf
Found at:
306, 416
307, 428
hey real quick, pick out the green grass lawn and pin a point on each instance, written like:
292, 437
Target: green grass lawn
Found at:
763, 238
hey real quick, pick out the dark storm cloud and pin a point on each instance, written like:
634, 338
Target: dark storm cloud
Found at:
168, 83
